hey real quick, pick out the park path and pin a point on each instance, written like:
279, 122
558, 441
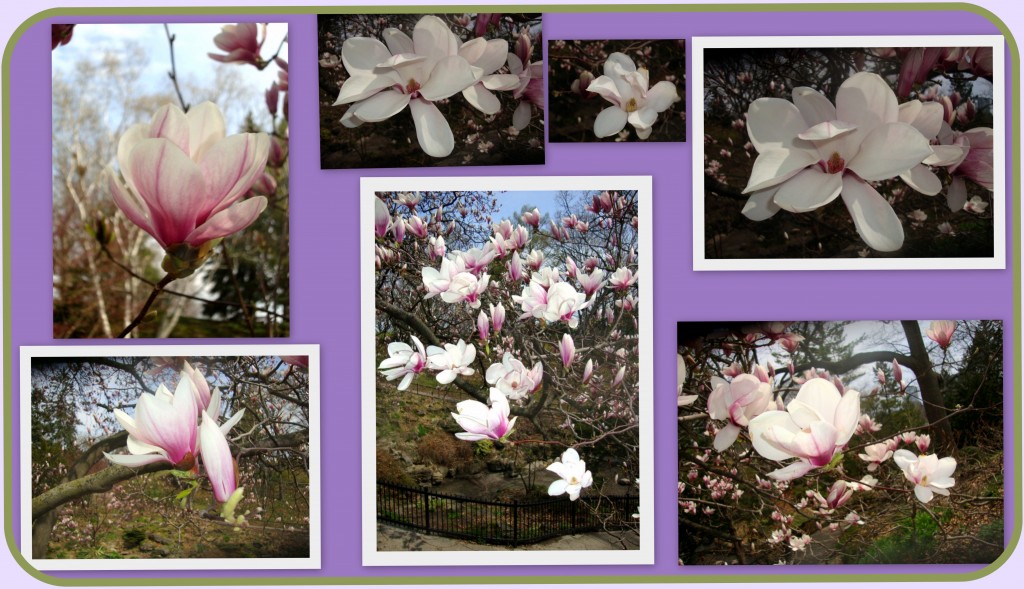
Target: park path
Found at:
391, 538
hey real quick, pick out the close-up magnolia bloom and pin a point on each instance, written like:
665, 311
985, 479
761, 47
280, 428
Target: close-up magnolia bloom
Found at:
815, 425
482, 422
875, 454
941, 332
529, 88
573, 473
567, 349
633, 100
929, 473
217, 459
404, 362
163, 428
738, 401
811, 152
414, 72
452, 360
184, 180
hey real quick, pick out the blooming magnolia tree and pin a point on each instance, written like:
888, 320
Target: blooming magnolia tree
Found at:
617, 90
190, 221
799, 444
905, 144
472, 86
130, 446
525, 320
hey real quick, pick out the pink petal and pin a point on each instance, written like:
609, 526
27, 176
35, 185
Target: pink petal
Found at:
217, 460
170, 123
136, 210
206, 127
230, 220
230, 168
170, 184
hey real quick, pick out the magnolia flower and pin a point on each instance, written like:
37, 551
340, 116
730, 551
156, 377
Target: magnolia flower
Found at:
163, 428
591, 283
497, 317
738, 401
404, 362
412, 72
465, 286
941, 332
436, 247
529, 90
567, 348
487, 56
865, 424
410, 200
875, 455
453, 360
482, 422
811, 152
626, 87
588, 371
976, 165
814, 426
297, 361
513, 379
184, 180
622, 279
562, 304
574, 475
483, 326
531, 218
922, 442
838, 494
929, 473
240, 42
200, 388
790, 341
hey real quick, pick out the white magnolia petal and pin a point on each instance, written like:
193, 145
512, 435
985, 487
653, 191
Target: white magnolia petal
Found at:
432, 37
889, 150
610, 121
618, 64
876, 222
450, 76
482, 99
946, 155
813, 105
808, 190
502, 82
432, 130
360, 87
380, 106
956, 195
397, 41
361, 55
761, 204
776, 165
866, 100
922, 179
826, 130
604, 87
773, 123
662, 96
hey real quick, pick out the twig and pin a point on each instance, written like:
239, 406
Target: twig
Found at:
173, 74
157, 289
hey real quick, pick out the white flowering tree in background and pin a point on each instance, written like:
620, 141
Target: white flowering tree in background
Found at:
863, 442
901, 137
425, 90
617, 90
508, 340
138, 457
170, 214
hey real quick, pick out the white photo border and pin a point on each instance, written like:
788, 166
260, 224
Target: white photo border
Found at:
368, 189
96, 564
997, 262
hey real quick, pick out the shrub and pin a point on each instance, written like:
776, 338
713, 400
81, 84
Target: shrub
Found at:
443, 449
389, 469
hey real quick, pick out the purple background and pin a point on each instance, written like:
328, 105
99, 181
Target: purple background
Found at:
325, 297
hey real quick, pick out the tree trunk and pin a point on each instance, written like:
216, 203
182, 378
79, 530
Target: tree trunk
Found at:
931, 392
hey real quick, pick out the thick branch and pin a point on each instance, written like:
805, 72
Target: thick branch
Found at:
928, 383
99, 482
856, 360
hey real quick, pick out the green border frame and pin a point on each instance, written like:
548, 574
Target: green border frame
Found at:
8, 405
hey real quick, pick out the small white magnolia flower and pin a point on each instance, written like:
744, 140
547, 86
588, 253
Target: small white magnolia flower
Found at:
574, 475
633, 101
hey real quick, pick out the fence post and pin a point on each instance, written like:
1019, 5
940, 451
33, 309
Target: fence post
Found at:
515, 522
426, 508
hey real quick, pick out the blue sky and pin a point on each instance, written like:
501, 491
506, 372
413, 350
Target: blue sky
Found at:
192, 43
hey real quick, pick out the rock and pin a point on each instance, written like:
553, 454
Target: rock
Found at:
159, 539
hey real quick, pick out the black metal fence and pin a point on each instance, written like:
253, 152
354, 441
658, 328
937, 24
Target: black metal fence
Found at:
497, 522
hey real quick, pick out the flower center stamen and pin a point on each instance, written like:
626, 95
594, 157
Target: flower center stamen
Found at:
631, 105
835, 164
412, 86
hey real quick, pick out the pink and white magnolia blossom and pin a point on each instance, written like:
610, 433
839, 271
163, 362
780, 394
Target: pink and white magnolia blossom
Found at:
621, 374
200, 387
811, 152
404, 362
466, 287
241, 43
622, 279
976, 164
633, 100
163, 428
875, 455
513, 379
929, 473
531, 218
453, 360
838, 494
789, 341
922, 442
381, 217
815, 425
515, 268
567, 349
414, 72
217, 459
941, 332
588, 371
487, 56
591, 283
436, 247
927, 118
573, 475
535, 259
738, 402
417, 227
529, 90
497, 317
482, 422
410, 200
483, 326
559, 302
866, 424
184, 180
